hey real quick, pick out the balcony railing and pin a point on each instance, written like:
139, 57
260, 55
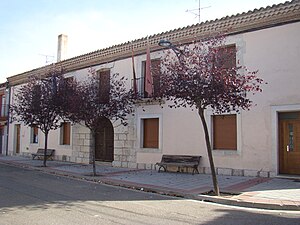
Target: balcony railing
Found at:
140, 83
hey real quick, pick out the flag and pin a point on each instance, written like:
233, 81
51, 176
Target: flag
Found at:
134, 75
148, 76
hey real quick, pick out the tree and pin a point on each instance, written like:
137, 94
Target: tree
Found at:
204, 75
103, 96
43, 103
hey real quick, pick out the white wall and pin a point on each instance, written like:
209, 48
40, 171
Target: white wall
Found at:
275, 52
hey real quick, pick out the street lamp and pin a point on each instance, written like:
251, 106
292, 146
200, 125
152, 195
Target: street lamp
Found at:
165, 43
168, 44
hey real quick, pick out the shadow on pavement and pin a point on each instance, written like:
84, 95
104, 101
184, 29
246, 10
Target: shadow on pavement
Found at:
24, 187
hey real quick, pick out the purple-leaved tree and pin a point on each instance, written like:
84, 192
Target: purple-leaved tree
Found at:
103, 96
205, 75
44, 103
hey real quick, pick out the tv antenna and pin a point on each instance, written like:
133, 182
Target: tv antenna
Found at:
48, 58
197, 11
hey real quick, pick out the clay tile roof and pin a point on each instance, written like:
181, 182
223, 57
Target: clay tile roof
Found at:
256, 19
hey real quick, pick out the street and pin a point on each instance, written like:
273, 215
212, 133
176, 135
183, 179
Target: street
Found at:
32, 197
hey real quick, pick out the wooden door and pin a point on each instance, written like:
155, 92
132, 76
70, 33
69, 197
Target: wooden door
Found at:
289, 143
104, 141
17, 139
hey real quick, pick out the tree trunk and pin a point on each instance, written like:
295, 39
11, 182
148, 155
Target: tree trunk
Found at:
209, 152
45, 148
94, 154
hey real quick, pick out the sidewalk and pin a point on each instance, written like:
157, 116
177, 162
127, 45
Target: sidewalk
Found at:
265, 193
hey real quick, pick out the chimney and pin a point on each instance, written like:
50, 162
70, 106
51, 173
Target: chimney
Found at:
62, 47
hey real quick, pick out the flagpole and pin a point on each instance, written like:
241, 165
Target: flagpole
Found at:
148, 76
133, 71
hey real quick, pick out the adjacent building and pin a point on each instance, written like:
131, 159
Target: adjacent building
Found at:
264, 141
3, 117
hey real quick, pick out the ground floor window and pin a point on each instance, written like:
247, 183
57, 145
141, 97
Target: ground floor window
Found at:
65, 133
34, 134
224, 132
150, 133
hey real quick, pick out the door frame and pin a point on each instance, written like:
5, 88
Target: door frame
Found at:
275, 131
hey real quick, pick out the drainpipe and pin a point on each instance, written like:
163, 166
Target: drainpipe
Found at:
8, 114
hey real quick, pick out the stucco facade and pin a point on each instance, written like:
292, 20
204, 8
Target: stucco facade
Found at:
271, 46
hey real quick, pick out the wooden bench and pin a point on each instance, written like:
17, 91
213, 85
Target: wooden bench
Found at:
41, 153
179, 161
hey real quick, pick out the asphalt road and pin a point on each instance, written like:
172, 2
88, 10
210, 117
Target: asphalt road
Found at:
32, 197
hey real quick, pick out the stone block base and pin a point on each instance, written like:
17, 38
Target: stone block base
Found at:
238, 172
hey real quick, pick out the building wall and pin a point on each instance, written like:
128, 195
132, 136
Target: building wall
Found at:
273, 51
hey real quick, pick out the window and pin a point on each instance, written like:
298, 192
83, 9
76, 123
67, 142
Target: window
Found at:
155, 72
226, 57
36, 97
104, 86
65, 133
34, 134
69, 80
224, 132
150, 133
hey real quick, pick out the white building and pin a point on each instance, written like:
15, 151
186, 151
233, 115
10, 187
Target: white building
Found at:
264, 141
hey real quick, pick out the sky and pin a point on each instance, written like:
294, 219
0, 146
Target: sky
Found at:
29, 28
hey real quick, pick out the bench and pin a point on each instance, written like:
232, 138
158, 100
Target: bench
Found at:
179, 161
40, 154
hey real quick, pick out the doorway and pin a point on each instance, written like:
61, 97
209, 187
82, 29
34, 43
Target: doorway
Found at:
104, 141
17, 138
289, 142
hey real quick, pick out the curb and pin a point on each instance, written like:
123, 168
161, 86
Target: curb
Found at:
162, 191
247, 204
206, 198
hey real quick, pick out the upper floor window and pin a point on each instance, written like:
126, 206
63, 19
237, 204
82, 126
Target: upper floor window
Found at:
69, 79
226, 57
155, 72
104, 86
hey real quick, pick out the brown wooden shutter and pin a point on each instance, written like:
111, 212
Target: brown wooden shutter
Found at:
226, 57
35, 130
66, 133
151, 133
35, 134
36, 97
104, 86
224, 132
69, 80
